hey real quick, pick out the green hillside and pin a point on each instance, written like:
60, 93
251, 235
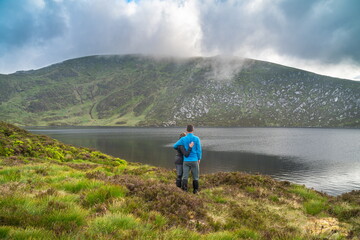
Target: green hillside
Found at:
135, 90
50, 190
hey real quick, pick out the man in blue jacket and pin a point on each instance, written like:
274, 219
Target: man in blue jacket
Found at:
191, 162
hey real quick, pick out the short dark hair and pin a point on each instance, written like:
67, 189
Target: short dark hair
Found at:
190, 128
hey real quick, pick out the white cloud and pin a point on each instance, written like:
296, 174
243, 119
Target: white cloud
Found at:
346, 68
318, 36
38, 3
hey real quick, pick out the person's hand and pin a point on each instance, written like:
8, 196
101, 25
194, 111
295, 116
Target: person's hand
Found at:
199, 162
191, 144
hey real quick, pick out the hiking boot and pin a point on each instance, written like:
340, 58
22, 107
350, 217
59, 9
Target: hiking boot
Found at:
178, 183
184, 185
195, 186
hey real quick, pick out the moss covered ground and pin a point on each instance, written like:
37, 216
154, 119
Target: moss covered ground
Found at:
49, 190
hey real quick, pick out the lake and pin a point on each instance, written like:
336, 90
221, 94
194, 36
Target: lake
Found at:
327, 160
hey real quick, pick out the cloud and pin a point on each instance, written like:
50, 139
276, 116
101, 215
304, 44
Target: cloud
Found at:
222, 68
28, 24
320, 36
324, 30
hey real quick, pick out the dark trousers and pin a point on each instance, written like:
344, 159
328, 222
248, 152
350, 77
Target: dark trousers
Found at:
179, 171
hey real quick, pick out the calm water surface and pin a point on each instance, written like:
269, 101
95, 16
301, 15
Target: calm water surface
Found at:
325, 159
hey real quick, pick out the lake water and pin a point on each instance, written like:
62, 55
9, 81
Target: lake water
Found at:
327, 160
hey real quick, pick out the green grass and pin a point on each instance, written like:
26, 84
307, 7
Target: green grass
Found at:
315, 207
250, 189
245, 233
242, 233
313, 203
30, 233
221, 236
103, 193
65, 220
215, 195
274, 198
112, 223
303, 192
4, 232
181, 233
79, 185
51, 213
80, 197
9, 175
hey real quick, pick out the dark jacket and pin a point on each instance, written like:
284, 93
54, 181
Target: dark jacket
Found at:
181, 152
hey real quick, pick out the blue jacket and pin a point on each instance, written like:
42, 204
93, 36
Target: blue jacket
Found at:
196, 151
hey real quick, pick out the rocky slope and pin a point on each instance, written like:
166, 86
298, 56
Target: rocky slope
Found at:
134, 90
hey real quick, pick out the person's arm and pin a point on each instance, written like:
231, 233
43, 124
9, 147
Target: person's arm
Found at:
178, 143
199, 150
184, 152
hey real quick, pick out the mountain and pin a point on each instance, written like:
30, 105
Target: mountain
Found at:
137, 90
50, 190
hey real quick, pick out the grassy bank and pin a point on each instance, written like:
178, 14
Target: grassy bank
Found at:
52, 190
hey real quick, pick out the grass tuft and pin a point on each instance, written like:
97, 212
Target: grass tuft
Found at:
31, 233
65, 220
112, 223
315, 206
4, 232
305, 193
80, 185
103, 193
245, 233
225, 235
9, 175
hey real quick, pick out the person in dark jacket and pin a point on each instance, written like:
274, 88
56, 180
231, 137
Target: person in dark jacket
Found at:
179, 158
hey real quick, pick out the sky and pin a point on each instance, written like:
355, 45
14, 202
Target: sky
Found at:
322, 36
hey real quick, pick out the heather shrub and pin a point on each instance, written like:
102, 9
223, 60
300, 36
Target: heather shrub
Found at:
239, 179
352, 197
167, 199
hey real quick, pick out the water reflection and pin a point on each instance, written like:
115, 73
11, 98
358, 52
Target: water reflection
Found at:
249, 162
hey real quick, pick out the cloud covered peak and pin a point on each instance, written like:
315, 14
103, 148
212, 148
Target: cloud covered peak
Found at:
319, 36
